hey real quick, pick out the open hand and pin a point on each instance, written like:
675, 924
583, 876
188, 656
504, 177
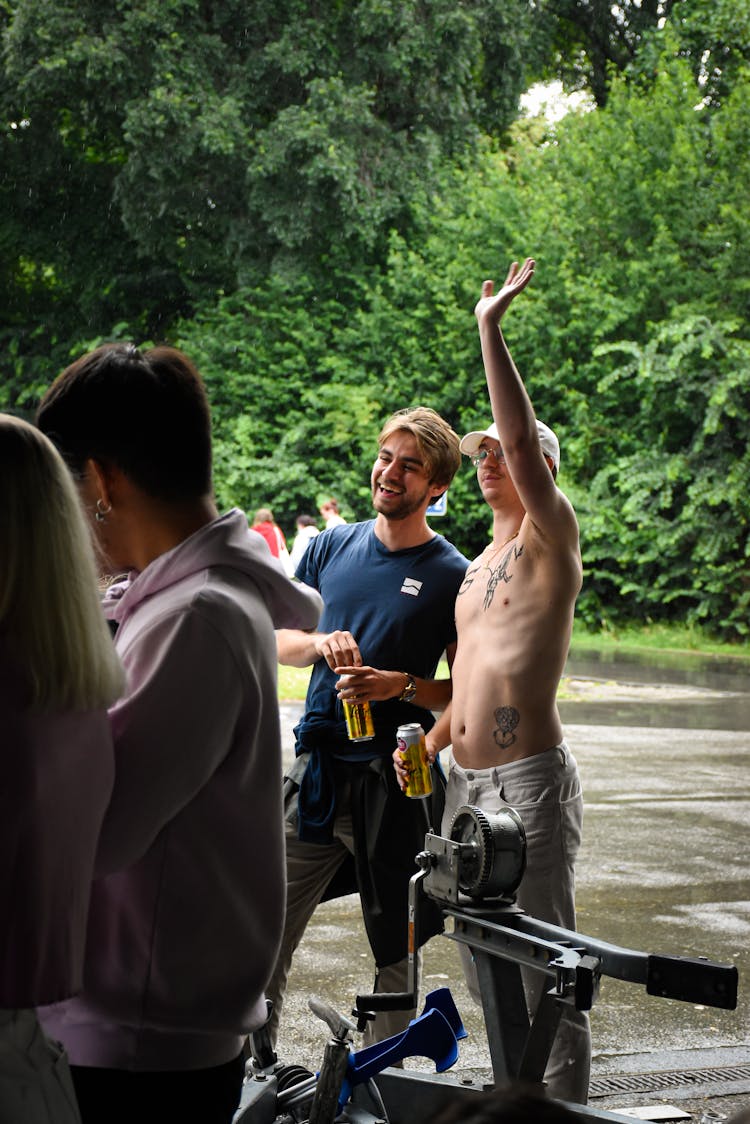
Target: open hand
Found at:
492, 306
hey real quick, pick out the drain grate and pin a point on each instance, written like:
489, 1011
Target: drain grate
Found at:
610, 1085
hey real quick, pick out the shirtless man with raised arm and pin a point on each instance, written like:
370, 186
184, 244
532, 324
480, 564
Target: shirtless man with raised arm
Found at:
514, 616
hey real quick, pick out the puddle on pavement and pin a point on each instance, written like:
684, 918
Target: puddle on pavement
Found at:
679, 691
714, 672
723, 713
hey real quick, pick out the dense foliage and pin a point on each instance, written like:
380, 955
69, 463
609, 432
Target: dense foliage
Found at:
157, 151
309, 205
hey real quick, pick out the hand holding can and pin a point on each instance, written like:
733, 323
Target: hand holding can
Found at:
359, 724
411, 743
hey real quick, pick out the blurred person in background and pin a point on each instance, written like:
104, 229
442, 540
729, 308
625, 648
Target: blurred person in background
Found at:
265, 524
306, 532
330, 512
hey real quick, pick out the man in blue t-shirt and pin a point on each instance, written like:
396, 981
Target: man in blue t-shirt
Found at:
389, 587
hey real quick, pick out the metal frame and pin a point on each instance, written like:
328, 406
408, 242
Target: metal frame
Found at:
503, 940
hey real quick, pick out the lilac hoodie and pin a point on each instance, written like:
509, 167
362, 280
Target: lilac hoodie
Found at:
187, 904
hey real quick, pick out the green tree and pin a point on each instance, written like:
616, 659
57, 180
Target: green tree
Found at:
713, 36
294, 419
667, 524
155, 153
222, 141
632, 342
589, 43
590, 40
321, 207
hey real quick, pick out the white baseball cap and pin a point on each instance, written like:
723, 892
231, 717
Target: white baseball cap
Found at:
547, 439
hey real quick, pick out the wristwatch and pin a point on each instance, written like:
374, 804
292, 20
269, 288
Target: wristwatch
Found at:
409, 690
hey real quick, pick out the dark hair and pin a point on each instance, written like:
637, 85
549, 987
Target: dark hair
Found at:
306, 520
146, 412
517, 1104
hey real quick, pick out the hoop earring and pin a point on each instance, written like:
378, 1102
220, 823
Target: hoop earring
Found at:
102, 511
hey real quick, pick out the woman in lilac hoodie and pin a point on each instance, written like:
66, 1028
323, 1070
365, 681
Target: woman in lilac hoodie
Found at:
58, 674
187, 902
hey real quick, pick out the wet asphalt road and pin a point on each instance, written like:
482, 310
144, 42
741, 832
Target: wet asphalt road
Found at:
663, 752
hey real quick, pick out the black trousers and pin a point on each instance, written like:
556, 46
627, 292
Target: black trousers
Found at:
118, 1096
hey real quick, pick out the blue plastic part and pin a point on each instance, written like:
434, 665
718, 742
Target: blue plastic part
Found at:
442, 1000
433, 1034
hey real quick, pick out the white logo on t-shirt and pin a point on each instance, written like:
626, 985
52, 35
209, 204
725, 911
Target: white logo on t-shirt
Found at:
411, 586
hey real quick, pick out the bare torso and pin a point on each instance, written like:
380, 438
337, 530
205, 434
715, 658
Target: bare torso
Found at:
514, 616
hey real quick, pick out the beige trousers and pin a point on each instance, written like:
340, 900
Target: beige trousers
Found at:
309, 869
545, 790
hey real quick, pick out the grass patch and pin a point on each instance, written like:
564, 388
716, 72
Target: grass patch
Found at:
685, 639
293, 682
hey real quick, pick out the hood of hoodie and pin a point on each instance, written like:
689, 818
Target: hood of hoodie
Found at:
225, 542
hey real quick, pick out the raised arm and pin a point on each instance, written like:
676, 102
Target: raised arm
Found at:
512, 411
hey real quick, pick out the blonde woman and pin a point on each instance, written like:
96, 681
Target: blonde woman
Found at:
58, 674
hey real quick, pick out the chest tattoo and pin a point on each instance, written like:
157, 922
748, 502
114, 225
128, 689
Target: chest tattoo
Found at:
496, 576
507, 718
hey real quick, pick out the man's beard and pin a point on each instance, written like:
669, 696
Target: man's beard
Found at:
402, 510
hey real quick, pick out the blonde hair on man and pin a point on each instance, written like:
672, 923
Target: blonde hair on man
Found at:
49, 603
437, 442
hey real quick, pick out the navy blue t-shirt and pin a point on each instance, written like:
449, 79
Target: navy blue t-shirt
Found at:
399, 605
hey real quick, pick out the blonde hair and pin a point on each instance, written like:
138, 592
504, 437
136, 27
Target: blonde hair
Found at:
50, 614
436, 441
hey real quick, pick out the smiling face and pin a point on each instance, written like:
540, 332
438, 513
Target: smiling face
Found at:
401, 484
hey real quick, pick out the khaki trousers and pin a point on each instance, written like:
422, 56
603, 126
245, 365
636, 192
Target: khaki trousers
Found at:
309, 869
545, 790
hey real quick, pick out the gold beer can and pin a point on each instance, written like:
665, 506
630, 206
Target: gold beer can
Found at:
410, 740
359, 723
